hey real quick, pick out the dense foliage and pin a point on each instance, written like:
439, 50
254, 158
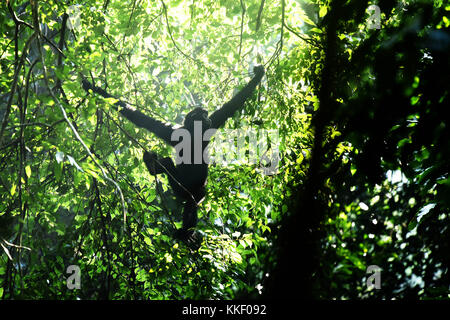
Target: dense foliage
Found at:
364, 149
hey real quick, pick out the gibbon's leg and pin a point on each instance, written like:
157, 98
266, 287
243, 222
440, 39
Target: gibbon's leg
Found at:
190, 215
186, 232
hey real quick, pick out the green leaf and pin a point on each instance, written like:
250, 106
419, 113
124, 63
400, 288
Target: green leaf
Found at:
57, 169
412, 224
77, 177
274, 213
28, 171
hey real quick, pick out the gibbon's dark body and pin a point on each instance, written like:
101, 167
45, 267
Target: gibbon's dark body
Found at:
188, 180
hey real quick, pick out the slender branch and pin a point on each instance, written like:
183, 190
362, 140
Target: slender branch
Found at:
83, 227
15, 245
105, 6
173, 40
283, 11
307, 40
61, 46
284, 24
259, 17
27, 83
29, 124
105, 239
20, 21
7, 252
21, 173
14, 85
242, 27
6, 48
280, 42
131, 16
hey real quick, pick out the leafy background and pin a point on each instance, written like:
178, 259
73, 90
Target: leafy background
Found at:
364, 147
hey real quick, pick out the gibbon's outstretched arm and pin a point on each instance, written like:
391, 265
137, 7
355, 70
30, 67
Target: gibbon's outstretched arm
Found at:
219, 117
157, 127
138, 118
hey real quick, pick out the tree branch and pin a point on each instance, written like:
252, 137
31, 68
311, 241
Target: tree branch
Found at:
242, 27
259, 17
61, 46
173, 40
19, 21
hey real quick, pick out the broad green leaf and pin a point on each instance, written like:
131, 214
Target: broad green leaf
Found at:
28, 171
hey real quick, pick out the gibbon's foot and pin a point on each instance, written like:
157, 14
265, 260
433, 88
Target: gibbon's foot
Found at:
184, 234
149, 156
86, 85
258, 70
189, 237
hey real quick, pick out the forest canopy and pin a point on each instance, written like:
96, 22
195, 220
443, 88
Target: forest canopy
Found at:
350, 116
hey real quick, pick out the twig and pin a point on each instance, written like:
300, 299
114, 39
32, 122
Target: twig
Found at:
19, 21
3, 242
14, 85
173, 40
15, 245
242, 28
61, 46
307, 40
258, 18
40, 124
6, 251
280, 42
105, 239
284, 24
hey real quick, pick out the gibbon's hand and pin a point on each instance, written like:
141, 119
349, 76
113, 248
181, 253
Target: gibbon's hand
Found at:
149, 156
258, 70
87, 85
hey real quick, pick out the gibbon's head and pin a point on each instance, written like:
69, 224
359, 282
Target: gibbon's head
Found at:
198, 114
